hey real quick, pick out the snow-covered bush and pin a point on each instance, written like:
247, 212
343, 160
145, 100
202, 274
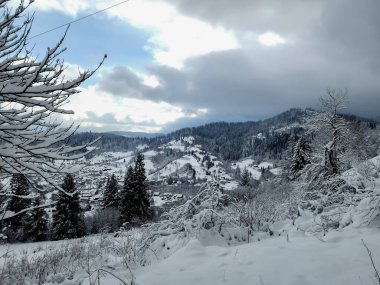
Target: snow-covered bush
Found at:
77, 260
205, 211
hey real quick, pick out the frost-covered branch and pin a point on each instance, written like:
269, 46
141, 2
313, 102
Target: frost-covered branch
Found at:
32, 93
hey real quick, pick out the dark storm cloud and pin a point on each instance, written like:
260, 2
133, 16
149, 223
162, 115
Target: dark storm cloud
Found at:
329, 44
253, 14
236, 85
121, 81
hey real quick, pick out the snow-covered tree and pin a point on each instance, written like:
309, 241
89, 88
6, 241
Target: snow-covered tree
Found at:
301, 156
134, 201
245, 178
143, 212
67, 219
17, 203
111, 193
36, 223
32, 93
331, 128
127, 197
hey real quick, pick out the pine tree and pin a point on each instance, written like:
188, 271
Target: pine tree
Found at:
19, 188
143, 211
301, 156
237, 173
36, 224
127, 197
111, 193
67, 219
245, 178
134, 204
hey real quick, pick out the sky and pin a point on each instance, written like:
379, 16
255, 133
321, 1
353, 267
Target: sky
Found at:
182, 63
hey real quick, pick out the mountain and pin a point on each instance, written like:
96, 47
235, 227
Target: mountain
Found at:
266, 139
135, 134
262, 140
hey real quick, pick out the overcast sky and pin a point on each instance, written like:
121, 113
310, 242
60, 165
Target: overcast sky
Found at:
180, 63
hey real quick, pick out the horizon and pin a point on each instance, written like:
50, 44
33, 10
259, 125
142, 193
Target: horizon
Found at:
172, 65
156, 134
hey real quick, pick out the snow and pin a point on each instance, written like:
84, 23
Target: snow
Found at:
276, 171
150, 153
177, 164
294, 258
260, 136
297, 254
255, 169
365, 175
157, 201
244, 163
265, 165
141, 147
174, 144
339, 259
149, 166
189, 139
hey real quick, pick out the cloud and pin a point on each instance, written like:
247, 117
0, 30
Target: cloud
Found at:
71, 7
98, 108
237, 85
108, 122
209, 57
174, 37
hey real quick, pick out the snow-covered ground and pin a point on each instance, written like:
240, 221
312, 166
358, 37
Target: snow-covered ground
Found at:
255, 168
340, 259
296, 254
294, 258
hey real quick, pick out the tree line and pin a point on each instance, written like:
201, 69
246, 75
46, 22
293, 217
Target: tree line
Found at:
127, 207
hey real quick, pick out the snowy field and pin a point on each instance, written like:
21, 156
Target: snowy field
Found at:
340, 259
294, 258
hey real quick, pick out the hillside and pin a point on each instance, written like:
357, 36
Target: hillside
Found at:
212, 225
300, 250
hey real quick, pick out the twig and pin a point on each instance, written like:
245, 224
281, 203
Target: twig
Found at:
372, 261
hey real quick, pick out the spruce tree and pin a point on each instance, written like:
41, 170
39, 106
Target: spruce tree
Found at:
36, 226
127, 197
111, 193
245, 178
67, 219
143, 211
301, 156
19, 188
134, 202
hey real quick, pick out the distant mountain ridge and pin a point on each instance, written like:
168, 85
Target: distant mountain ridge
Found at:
263, 140
135, 134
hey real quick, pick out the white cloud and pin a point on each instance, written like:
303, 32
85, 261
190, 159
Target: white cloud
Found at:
271, 39
151, 81
135, 114
175, 37
71, 71
71, 7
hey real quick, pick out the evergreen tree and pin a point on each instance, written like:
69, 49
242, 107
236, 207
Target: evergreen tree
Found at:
237, 173
134, 204
36, 224
127, 197
67, 219
19, 188
143, 211
111, 193
301, 156
245, 178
